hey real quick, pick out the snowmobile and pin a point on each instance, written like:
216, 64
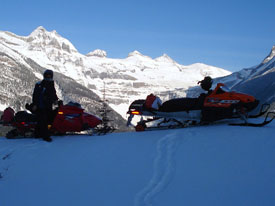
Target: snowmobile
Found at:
217, 105
66, 119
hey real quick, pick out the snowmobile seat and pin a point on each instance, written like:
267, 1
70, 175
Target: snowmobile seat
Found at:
181, 104
173, 105
23, 116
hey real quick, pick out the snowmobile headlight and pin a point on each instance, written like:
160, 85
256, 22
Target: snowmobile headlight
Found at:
60, 112
135, 112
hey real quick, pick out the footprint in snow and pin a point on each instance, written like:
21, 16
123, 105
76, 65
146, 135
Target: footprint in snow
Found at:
163, 170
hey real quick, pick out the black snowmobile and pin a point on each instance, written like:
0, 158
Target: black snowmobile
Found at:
216, 105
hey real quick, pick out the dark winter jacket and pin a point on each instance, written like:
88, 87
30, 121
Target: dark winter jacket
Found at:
44, 94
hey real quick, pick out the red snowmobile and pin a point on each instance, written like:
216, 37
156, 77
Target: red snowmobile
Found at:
216, 105
69, 118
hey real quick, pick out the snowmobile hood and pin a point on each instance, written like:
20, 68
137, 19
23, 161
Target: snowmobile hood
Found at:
221, 98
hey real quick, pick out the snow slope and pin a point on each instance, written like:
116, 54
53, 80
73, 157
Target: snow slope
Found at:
208, 165
258, 81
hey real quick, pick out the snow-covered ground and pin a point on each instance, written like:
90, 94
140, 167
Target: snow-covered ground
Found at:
207, 165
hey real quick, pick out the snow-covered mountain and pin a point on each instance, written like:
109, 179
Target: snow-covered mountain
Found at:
261, 82
258, 81
266, 67
20, 73
125, 79
207, 165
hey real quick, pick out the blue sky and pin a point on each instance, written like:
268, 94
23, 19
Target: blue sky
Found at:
231, 34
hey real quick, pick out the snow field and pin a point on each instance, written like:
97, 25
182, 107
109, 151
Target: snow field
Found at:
207, 165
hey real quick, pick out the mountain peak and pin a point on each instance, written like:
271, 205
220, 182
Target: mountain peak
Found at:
138, 55
135, 53
97, 53
270, 56
38, 30
42, 32
41, 38
164, 58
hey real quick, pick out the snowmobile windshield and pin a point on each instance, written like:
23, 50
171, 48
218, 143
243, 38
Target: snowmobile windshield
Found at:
225, 88
222, 90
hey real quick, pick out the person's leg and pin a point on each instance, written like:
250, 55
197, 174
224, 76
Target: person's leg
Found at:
42, 126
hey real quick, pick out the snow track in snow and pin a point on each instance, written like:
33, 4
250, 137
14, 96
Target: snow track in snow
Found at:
4, 165
7, 153
163, 170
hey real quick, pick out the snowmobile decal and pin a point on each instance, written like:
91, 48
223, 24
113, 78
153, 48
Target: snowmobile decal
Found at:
221, 98
219, 101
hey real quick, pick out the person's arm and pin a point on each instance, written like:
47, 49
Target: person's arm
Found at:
35, 95
54, 96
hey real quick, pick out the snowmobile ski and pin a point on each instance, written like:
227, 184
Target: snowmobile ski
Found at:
264, 108
265, 122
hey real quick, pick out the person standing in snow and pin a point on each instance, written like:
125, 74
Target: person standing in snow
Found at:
44, 96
